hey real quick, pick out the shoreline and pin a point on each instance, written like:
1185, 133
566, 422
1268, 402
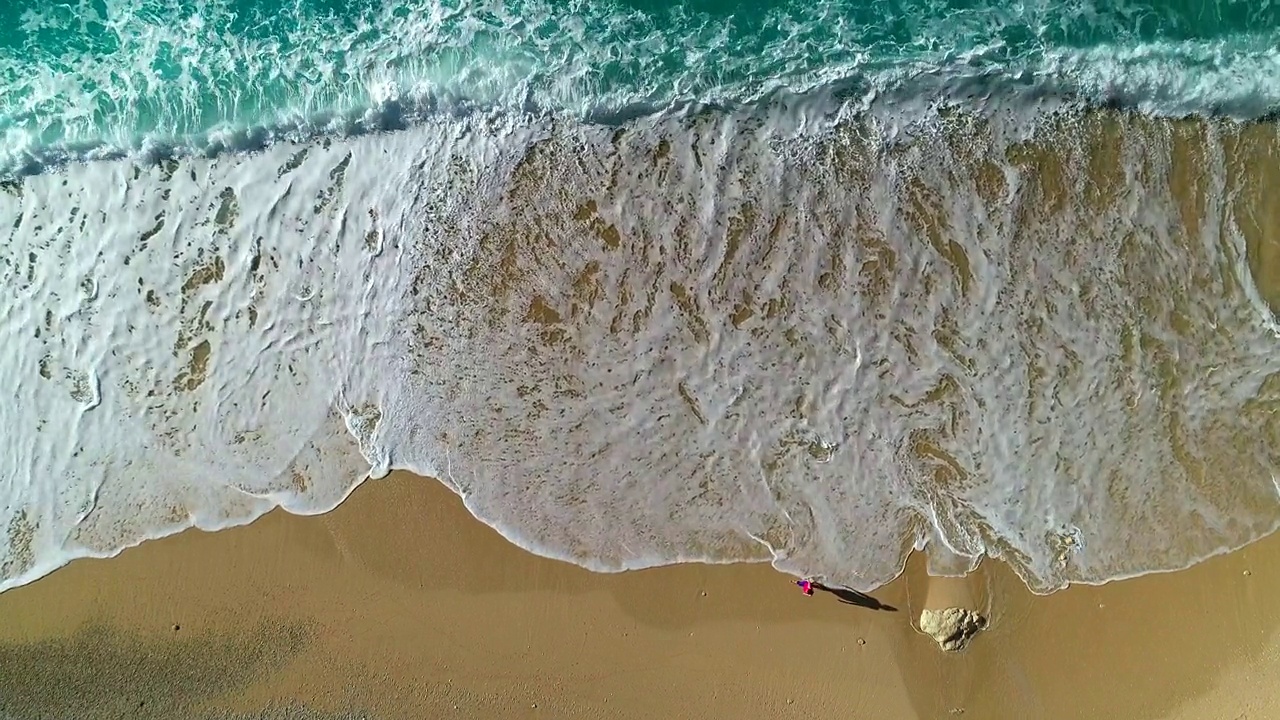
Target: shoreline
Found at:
913, 555
399, 603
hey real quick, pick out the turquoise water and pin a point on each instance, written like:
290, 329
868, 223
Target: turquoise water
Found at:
104, 77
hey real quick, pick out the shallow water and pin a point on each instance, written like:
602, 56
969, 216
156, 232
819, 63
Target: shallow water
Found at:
851, 292
701, 337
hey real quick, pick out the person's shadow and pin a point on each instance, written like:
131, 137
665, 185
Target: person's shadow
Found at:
849, 596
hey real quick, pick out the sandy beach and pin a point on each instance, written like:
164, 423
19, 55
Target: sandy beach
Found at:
399, 604
812, 281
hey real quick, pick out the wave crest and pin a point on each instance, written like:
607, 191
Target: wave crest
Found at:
160, 75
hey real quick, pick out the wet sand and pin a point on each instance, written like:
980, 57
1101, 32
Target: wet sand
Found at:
400, 605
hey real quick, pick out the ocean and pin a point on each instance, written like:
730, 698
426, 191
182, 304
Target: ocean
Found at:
811, 283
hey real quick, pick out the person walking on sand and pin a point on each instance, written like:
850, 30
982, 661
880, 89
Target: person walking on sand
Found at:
806, 587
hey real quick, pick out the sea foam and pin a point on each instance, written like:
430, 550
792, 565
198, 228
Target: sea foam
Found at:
774, 334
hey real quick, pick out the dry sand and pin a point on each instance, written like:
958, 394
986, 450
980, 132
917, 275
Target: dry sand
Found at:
400, 605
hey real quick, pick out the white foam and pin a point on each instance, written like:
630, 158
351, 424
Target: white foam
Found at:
188, 344
553, 318
182, 77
